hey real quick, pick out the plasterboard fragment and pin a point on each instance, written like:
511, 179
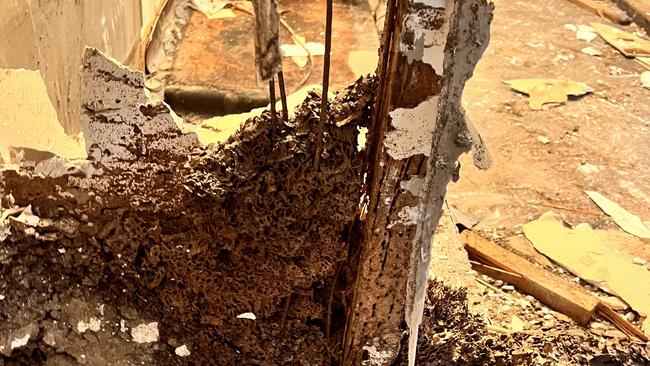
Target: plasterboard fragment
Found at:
363, 62
214, 9
548, 91
119, 121
627, 221
645, 79
590, 254
28, 118
20, 341
627, 43
182, 351
249, 316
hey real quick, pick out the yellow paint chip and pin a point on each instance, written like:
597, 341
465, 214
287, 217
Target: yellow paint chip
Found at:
590, 254
622, 217
218, 9
548, 91
363, 63
517, 324
629, 44
28, 118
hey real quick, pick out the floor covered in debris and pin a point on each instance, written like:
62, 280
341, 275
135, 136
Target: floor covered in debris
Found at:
545, 160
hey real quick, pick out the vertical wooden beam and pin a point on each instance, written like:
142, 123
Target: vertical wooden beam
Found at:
409, 165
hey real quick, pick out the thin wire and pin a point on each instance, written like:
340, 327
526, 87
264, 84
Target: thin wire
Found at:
274, 120
326, 81
283, 96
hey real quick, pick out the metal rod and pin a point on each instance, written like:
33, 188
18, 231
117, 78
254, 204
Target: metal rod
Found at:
326, 81
283, 96
274, 120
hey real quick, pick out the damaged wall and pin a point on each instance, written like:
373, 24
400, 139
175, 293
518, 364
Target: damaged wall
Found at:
50, 36
191, 237
416, 137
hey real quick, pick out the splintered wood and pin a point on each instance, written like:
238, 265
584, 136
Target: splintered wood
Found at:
558, 294
563, 296
268, 59
429, 51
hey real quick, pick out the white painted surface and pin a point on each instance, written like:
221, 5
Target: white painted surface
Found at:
413, 130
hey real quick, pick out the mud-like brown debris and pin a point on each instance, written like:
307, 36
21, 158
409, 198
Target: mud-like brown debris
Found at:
192, 241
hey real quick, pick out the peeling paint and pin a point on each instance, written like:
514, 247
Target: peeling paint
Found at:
424, 39
425, 32
413, 185
470, 31
437, 40
413, 130
408, 215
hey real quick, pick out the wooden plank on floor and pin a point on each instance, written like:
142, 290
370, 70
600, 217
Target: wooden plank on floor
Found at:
559, 294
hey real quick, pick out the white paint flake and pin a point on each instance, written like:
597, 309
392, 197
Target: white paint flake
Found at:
20, 342
92, 324
413, 185
408, 215
123, 327
249, 316
377, 357
428, 45
413, 133
145, 333
182, 351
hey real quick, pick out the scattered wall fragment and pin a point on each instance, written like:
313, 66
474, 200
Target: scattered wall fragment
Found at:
586, 253
627, 221
145, 333
627, 43
548, 91
119, 121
